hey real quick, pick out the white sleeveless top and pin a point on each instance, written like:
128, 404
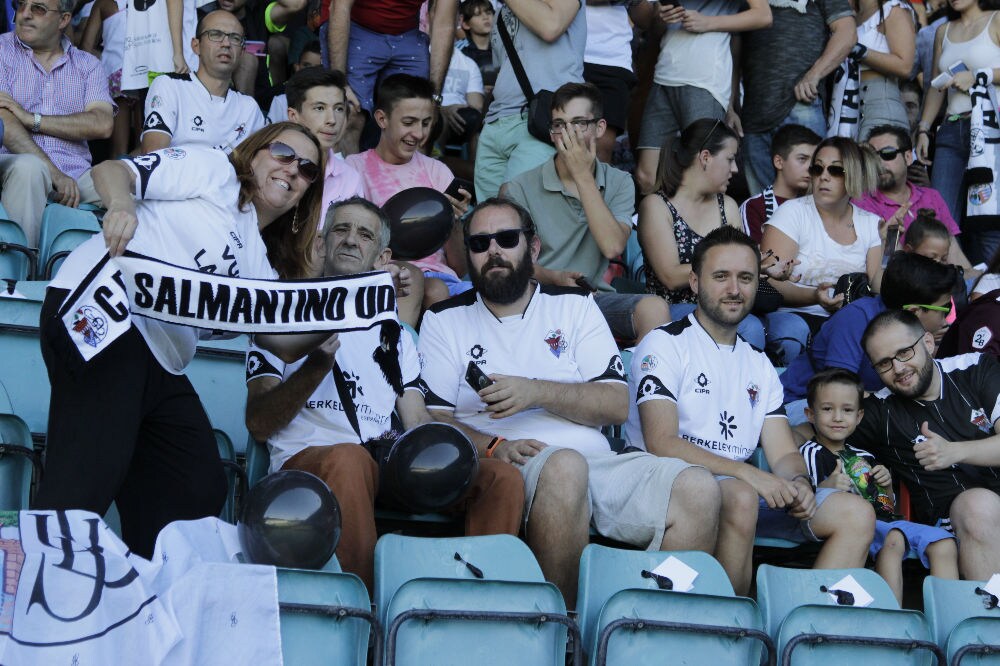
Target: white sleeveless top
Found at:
977, 53
868, 34
113, 36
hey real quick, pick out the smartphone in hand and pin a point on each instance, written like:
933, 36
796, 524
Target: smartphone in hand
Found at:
476, 378
461, 183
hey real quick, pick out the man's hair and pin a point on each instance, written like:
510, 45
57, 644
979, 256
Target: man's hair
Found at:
913, 278
789, 136
567, 92
311, 47
497, 202
469, 8
833, 376
903, 140
67, 6
888, 318
385, 228
926, 225
311, 77
911, 85
702, 134
724, 235
860, 165
399, 87
200, 27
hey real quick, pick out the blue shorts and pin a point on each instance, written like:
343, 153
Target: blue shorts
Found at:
779, 524
454, 284
918, 537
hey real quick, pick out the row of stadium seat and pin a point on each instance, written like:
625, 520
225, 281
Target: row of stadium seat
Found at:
63, 229
483, 600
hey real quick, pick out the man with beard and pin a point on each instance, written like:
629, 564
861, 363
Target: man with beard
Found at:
898, 200
935, 426
704, 395
299, 408
553, 378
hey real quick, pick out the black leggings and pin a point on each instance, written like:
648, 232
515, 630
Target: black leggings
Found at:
122, 428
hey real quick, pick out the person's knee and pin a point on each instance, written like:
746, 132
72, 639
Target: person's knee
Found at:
435, 291
845, 514
975, 513
564, 477
740, 503
24, 171
894, 546
502, 481
697, 493
650, 312
944, 551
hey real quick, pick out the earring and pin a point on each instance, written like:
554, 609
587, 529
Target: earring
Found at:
295, 220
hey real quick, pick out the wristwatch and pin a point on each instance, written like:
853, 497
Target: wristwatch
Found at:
36, 126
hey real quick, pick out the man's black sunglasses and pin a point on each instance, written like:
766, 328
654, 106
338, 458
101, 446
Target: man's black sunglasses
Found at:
507, 239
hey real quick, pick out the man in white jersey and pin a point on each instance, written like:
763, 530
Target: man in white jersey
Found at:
547, 376
303, 415
201, 108
704, 395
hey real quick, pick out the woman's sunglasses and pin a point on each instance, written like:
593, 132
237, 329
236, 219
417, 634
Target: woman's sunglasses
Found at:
816, 170
507, 239
283, 154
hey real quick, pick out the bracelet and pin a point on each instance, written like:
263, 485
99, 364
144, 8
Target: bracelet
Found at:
923, 131
491, 447
36, 125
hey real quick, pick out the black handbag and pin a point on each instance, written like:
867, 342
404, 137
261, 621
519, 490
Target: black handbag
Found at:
768, 298
539, 103
853, 286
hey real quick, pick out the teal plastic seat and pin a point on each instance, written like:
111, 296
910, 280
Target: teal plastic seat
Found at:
57, 219
325, 618
963, 626
235, 476
60, 247
468, 600
258, 461
18, 461
17, 260
809, 627
624, 616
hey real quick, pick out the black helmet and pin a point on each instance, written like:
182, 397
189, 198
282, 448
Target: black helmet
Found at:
420, 219
290, 519
428, 468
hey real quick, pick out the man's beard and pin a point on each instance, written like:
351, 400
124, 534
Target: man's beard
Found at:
716, 313
924, 377
886, 181
503, 288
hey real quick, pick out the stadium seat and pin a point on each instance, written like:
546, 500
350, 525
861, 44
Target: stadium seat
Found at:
57, 219
964, 625
258, 461
468, 600
18, 463
59, 249
325, 618
17, 260
236, 478
24, 383
806, 621
620, 598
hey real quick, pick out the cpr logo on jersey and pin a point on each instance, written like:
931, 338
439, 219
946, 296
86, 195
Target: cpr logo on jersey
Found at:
557, 344
753, 391
702, 381
980, 420
476, 352
89, 323
981, 337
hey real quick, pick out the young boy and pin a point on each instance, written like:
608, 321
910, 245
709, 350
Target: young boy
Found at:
834, 409
477, 24
791, 153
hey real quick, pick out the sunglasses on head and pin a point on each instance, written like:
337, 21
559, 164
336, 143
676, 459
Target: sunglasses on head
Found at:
835, 170
888, 154
284, 154
507, 239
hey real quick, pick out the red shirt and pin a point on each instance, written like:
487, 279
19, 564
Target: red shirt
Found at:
386, 17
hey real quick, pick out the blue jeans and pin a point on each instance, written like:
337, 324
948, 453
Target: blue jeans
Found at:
750, 329
788, 333
757, 146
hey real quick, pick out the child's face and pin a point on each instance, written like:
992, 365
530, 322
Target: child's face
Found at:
835, 412
405, 128
794, 170
934, 248
481, 23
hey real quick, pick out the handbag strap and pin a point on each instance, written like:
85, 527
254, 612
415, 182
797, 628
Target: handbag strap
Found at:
515, 59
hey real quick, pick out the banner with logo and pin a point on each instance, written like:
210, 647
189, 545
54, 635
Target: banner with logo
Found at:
116, 289
74, 594
983, 208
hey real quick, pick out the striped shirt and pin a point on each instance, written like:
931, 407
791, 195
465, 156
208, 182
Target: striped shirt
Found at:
76, 81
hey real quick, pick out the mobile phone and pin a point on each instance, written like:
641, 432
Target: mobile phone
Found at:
464, 184
255, 48
476, 378
584, 283
957, 67
889, 249
941, 80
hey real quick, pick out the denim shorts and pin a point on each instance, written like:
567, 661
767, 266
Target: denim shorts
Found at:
669, 109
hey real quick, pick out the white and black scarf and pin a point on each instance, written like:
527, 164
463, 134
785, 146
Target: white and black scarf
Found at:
983, 203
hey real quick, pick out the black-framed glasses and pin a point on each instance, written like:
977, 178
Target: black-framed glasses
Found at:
903, 355
704, 142
38, 10
235, 38
835, 170
507, 239
284, 154
888, 154
559, 126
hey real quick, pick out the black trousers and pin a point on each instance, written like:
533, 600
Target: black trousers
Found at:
122, 428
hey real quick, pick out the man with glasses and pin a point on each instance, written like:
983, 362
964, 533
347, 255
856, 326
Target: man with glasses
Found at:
897, 199
583, 208
553, 378
935, 426
201, 108
53, 99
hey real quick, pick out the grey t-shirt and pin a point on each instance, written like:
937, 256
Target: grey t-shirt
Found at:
548, 66
775, 58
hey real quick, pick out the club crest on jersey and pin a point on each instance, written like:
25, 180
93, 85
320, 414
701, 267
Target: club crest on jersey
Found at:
981, 337
155, 102
175, 153
648, 363
556, 342
980, 420
240, 131
753, 391
89, 323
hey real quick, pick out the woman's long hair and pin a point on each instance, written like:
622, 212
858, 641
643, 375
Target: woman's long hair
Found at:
860, 165
703, 134
289, 238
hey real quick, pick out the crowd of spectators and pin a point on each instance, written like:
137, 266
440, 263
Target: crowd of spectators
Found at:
811, 183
